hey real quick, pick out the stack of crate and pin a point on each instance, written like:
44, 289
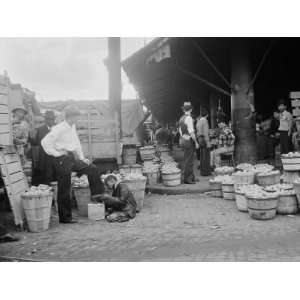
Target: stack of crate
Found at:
295, 96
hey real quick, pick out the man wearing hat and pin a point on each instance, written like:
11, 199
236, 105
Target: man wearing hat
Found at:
43, 167
62, 143
285, 127
188, 142
20, 130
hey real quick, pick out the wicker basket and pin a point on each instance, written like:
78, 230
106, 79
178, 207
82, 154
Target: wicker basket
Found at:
171, 179
216, 189
147, 153
262, 208
291, 163
287, 205
228, 191
268, 179
242, 179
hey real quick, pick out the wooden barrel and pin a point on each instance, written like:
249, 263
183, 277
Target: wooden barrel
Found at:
290, 176
287, 204
147, 153
216, 189
268, 179
37, 210
83, 198
290, 163
129, 154
137, 187
241, 201
171, 179
262, 209
228, 191
152, 178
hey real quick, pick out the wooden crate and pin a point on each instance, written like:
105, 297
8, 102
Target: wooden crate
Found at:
14, 179
5, 115
296, 112
295, 95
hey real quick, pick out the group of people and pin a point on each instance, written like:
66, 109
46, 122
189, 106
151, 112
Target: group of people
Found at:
194, 136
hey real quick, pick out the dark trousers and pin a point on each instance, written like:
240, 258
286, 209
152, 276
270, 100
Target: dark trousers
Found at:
284, 142
188, 160
64, 166
3, 230
205, 169
46, 174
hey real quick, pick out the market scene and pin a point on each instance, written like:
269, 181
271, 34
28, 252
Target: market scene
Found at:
202, 165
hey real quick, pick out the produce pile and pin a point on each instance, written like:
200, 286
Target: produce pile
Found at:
268, 172
81, 182
169, 167
258, 168
291, 155
42, 189
279, 187
260, 194
224, 170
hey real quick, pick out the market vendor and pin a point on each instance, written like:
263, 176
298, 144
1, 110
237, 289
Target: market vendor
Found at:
20, 130
188, 143
43, 167
285, 127
63, 145
121, 205
226, 141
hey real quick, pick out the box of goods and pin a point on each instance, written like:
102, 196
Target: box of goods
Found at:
262, 205
228, 188
224, 170
171, 175
82, 195
129, 154
243, 177
287, 203
147, 152
291, 161
268, 178
215, 185
295, 95
37, 204
295, 102
96, 211
137, 184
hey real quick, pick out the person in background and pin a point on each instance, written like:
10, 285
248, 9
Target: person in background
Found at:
188, 143
43, 170
121, 205
20, 130
5, 236
273, 133
202, 127
285, 127
62, 143
226, 141
162, 135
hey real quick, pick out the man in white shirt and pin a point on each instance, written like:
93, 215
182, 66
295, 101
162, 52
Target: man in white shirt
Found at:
188, 142
62, 143
285, 127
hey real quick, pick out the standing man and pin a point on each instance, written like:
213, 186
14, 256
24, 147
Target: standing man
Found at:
62, 143
188, 142
285, 127
43, 170
204, 143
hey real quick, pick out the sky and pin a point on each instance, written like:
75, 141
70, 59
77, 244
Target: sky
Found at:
64, 68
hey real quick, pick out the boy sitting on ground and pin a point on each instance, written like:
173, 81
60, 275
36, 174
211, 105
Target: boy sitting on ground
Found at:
121, 205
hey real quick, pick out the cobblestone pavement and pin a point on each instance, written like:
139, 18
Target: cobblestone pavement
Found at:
169, 228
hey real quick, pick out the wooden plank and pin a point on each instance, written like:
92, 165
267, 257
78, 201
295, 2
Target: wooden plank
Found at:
295, 95
9, 158
15, 177
16, 188
4, 109
4, 119
14, 168
4, 128
4, 100
3, 90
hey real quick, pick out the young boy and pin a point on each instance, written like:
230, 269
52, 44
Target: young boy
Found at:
121, 205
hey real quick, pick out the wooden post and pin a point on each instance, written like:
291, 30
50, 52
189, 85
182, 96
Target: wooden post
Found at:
243, 124
114, 73
213, 107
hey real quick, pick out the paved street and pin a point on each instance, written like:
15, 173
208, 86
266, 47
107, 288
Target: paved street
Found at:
170, 228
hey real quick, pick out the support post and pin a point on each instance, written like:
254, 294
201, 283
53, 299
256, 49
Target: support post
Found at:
213, 107
114, 74
243, 126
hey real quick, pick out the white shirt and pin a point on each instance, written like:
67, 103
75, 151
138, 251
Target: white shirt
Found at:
190, 126
62, 139
285, 121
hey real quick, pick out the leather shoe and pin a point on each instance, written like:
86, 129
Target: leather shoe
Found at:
71, 221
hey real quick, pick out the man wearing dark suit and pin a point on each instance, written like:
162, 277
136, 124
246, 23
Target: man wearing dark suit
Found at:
43, 171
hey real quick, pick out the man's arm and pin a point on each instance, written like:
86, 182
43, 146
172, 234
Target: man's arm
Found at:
78, 149
48, 143
190, 127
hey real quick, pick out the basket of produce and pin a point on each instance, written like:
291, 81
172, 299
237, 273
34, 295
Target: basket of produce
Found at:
243, 177
147, 152
224, 170
261, 204
37, 207
215, 185
82, 195
291, 161
288, 203
268, 178
137, 184
244, 167
171, 175
228, 188
263, 168
240, 196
